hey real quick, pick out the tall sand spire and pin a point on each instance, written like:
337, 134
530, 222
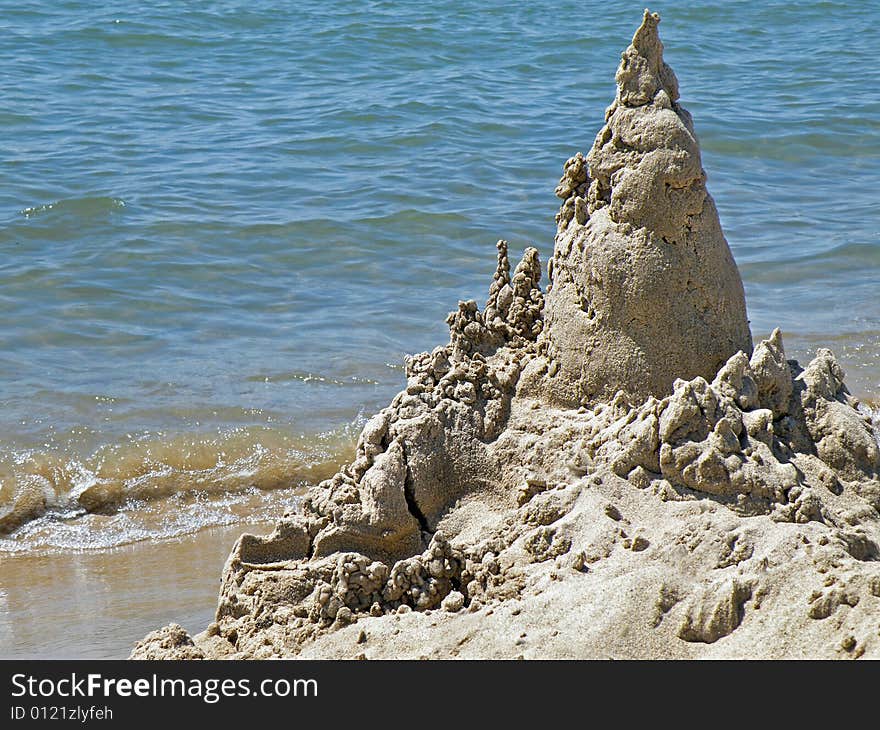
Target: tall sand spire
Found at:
644, 287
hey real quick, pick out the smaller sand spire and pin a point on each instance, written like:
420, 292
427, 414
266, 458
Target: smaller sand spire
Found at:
499, 300
514, 306
513, 310
524, 316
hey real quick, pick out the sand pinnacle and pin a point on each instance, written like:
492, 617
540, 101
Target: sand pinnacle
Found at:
644, 287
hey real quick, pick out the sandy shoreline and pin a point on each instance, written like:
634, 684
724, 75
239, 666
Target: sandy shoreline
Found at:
95, 604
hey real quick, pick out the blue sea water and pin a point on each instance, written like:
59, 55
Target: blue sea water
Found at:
223, 224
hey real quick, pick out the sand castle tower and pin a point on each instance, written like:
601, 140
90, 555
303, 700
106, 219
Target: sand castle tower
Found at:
644, 288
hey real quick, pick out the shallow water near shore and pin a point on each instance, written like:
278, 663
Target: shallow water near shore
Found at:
96, 605
223, 229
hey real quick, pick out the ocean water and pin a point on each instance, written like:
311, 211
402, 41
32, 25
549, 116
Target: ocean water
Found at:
224, 224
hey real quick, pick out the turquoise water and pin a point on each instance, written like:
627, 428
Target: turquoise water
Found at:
222, 228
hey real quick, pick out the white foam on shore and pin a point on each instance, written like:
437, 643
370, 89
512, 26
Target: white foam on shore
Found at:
159, 487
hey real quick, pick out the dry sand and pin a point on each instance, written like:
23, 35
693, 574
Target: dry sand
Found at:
607, 468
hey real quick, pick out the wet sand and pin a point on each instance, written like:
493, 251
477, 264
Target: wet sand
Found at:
97, 604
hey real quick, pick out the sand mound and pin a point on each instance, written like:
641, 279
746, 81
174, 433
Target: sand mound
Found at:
613, 473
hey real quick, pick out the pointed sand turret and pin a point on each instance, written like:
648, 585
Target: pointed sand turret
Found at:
644, 287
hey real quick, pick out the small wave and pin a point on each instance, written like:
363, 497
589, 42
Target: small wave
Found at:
873, 407
307, 377
170, 518
158, 486
79, 207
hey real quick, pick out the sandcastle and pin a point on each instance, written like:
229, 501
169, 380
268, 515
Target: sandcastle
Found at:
616, 433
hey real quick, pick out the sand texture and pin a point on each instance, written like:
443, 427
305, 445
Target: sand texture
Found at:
605, 469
